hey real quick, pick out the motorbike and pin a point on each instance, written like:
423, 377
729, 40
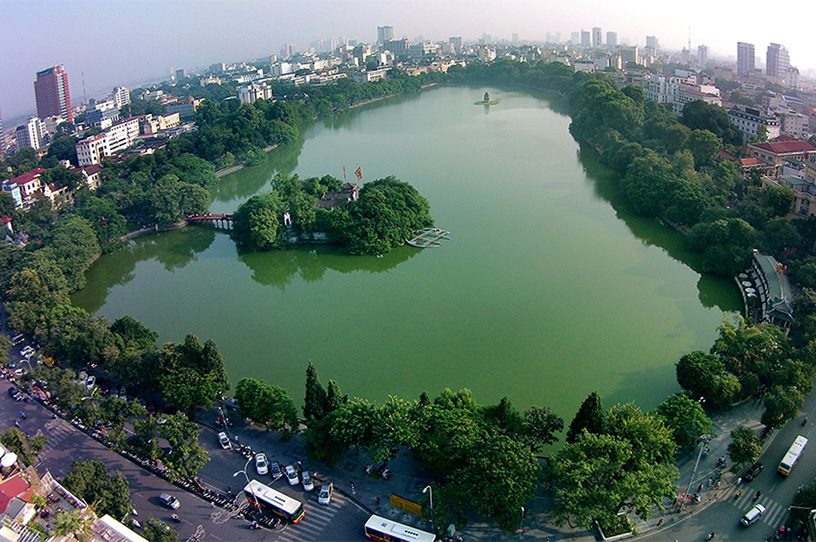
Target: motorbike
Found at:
254, 525
176, 518
804, 422
710, 535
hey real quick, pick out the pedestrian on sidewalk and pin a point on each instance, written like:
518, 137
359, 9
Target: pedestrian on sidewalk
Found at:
353, 489
378, 501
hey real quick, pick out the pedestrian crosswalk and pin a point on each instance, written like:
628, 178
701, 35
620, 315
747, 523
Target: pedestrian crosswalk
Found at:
315, 521
56, 431
742, 497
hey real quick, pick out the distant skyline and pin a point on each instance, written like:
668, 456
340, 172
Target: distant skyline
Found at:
126, 42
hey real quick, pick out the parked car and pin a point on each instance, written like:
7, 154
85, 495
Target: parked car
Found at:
291, 475
275, 469
306, 479
752, 471
325, 495
224, 440
752, 515
169, 501
261, 464
14, 392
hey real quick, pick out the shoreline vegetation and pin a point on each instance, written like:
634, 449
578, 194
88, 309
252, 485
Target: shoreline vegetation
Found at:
614, 462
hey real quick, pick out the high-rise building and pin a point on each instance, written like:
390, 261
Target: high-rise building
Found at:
2, 139
777, 60
597, 35
585, 38
575, 38
456, 41
653, 44
121, 97
31, 134
745, 58
702, 54
611, 39
384, 34
287, 50
52, 94
181, 73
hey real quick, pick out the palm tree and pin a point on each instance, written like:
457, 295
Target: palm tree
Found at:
72, 523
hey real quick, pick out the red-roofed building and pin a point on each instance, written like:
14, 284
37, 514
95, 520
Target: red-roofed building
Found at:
91, 174
11, 488
23, 187
776, 152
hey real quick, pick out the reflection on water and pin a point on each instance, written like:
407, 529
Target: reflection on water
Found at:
278, 268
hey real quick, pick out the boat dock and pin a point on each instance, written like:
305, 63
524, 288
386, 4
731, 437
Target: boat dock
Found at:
429, 237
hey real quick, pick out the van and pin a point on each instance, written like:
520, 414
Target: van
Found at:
752, 515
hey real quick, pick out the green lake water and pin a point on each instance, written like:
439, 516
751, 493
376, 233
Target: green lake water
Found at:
549, 289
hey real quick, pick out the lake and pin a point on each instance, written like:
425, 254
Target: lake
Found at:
549, 289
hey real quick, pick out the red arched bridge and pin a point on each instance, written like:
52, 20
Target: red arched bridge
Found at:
219, 221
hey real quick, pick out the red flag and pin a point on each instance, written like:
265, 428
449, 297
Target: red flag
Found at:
359, 173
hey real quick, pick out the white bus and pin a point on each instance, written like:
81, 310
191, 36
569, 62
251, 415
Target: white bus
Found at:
274, 501
379, 528
792, 456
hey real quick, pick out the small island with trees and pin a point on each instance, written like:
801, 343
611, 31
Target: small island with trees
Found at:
486, 100
372, 220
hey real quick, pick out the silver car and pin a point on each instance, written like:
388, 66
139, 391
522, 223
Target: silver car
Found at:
291, 475
306, 479
261, 464
325, 495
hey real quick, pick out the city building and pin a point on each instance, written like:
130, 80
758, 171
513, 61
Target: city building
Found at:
779, 153
180, 74
793, 123
255, 91
597, 35
2, 139
629, 54
121, 97
456, 41
53, 94
585, 38
287, 50
702, 55
118, 137
31, 134
24, 187
185, 107
653, 44
611, 39
745, 59
575, 38
384, 34
777, 61
749, 119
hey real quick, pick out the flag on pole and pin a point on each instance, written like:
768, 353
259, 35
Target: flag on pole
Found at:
344, 172
359, 173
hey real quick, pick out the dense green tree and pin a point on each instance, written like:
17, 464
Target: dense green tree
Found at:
255, 223
315, 402
266, 404
782, 404
699, 115
498, 479
191, 374
186, 456
686, 417
727, 245
590, 416
90, 481
705, 146
540, 427
745, 446
155, 530
72, 523
105, 220
704, 376
72, 244
27, 449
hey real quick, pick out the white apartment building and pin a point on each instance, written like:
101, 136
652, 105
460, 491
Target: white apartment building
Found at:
678, 90
793, 123
255, 91
118, 137
31, 134
121, 97
748, 120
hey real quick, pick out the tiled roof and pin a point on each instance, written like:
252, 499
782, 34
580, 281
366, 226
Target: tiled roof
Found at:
13, 487
782, 147
26, 177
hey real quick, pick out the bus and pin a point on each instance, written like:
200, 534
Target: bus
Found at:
792, 456
279, 504
379, 528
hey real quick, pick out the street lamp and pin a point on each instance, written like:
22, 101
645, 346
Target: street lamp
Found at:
703, 440
251, 488
521, 519
427, 489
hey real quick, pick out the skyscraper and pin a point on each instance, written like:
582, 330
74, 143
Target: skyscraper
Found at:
385, 34
52, 94
597, 34
702, 54
585, 37
611, 39
653, 43
745, 58
777, 61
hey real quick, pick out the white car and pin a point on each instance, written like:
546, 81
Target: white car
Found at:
306, 479
325, 495
752, 515
291, 475
261, 464
224, 440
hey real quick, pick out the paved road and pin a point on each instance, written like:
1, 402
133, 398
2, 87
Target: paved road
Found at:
341, 521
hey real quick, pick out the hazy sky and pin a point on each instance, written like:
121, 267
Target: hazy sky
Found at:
118, 42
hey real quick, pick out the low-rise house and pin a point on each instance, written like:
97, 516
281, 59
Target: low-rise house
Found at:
330, 200
776, 153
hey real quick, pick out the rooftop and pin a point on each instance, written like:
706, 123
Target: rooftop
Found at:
784, 147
